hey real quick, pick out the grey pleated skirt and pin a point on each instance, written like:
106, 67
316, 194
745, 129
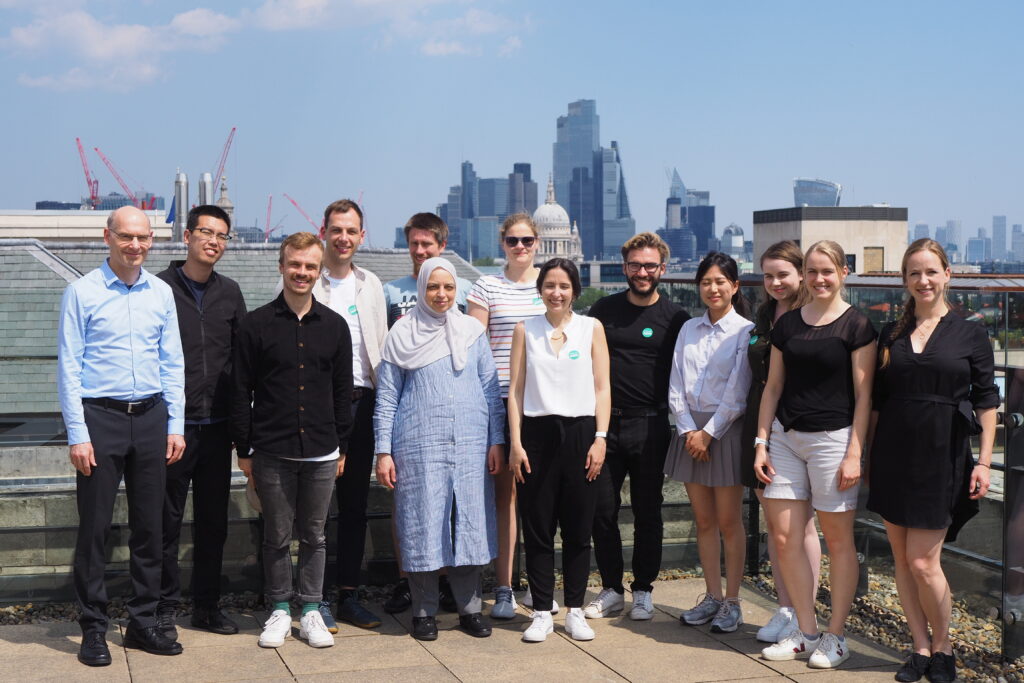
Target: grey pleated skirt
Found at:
723, 466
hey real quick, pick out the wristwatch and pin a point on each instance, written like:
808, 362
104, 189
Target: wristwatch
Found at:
603, 435
759, 440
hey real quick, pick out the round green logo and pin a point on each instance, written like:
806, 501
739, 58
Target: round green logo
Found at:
573, 355
352, 310
536, 300
753, 339
648, 333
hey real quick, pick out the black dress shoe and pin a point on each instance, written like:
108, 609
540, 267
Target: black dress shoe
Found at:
214, 621
424, 628
913, 669
446, 599
94, 651
475, 625
942, 668
151, 640
165, 622
401, 598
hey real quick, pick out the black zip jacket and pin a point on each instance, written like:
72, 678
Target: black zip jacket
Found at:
207, 338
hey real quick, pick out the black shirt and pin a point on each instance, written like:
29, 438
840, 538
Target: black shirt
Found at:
298, 376
640, 344
818, 393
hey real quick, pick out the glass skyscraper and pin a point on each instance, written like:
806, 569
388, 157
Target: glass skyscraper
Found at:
577, 138
815, 192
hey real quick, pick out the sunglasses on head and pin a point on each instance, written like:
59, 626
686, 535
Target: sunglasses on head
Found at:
511, 241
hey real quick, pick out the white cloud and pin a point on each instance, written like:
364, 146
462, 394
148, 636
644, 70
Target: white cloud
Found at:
510, 46
441, 48
204, 23
283, 15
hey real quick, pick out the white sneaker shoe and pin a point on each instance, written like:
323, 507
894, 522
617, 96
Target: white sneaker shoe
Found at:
313, 629
643, 606
791, 646
608, 602
528, 602
540, 629
276, 629
576, 625
777, 626
830, 653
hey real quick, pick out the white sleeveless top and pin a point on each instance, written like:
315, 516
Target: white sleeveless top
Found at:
564, 384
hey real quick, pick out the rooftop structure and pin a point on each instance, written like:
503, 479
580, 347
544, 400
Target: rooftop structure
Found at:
816, 192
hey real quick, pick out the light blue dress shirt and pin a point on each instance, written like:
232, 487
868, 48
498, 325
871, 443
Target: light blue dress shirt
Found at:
118, 342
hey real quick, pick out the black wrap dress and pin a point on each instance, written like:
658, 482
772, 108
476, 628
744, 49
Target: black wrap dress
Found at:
759, 352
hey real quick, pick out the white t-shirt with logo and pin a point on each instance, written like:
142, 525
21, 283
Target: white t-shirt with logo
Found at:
343, 302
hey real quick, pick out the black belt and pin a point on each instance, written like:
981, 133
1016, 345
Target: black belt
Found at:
128, 407
639, 412
360, 392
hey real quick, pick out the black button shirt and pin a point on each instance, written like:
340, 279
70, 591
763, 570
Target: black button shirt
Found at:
292, 382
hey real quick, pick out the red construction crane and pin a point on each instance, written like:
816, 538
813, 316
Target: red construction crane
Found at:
223, 160
92, 183
142, 204
316, 228
266, 228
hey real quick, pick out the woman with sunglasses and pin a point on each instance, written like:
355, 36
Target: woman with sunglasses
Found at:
499, 302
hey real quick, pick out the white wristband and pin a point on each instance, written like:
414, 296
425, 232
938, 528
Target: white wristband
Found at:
603, 435
759, 441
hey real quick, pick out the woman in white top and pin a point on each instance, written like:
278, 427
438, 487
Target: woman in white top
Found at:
559, 405
707, 395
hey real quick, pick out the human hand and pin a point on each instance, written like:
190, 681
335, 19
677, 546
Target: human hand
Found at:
386, 474
83, 458
495, 456
595, 458
849, 472
763, 469
175, 448
245, 465
341, 466
697, 444
979, 481
517, 461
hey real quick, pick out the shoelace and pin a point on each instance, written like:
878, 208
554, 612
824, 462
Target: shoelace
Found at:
644, 601
705, 598
275, 619
778, 619
503, 595
316, 624
829, 643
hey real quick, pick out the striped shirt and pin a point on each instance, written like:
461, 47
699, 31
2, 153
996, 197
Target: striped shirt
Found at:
507, 303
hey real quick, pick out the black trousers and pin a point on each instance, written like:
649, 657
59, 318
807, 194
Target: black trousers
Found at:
637, 447
352, 489
556, 493
133, 447
207, 465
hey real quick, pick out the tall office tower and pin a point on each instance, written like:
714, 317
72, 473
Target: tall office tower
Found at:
617, 224
577, 137
583, 202
975, 250
921, 231
453, 217
681, 243
492, 197
522, 190
999, 238
940, 235
701, 220
1017, 242
953, 234
676, 187
816, 192
674, 202
698, 198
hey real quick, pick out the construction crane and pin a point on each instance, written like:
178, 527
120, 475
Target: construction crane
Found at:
266, 228
223, 159
142, 204
92, 183
316, 228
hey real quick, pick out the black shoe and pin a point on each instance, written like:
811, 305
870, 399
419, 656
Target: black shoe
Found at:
94, 651
353, 612
913, 669
151, 640
424, 628
401, 598
165, 622
942, 668
446, 599
214, 621
475, 625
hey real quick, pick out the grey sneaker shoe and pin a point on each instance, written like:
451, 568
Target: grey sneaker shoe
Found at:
504, 603
325, 612
729, 617
703, 612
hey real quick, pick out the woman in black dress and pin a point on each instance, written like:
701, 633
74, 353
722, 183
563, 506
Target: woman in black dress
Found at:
935, 375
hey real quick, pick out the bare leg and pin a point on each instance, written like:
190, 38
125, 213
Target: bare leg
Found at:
838, 530
505, 501
812, 546
906, 586
773, 557
729, 512
924, 550
702, 502
789, 522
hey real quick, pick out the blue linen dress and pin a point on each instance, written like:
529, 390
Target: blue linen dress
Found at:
438, 424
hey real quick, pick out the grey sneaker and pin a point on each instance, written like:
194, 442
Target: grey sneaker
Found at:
325, 611
504, 603
729, 617
703, 612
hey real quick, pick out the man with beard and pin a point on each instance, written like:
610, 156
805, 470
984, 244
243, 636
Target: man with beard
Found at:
641, 327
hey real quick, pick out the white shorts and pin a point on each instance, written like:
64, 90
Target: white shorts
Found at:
807, 468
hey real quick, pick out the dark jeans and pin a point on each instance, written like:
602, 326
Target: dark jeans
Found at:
297, 495
207, 465
353, 489
133, 447
556, 493
637, 447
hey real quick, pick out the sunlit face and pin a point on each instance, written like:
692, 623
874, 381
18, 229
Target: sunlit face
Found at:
643, 269
440, 290
343, 235
129, 239
821, 277
556, 291
520, 253
207, 240
781, 279
300, 268
925, 277
716, 290
422, 245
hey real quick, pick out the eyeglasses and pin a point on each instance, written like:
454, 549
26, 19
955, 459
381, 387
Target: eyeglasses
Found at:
128, 239
634, 267
511, 241
209, 235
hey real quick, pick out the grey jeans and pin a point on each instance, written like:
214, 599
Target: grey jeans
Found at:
465, 582
294, 494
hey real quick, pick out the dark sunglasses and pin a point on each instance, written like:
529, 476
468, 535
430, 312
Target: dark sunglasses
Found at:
511, 241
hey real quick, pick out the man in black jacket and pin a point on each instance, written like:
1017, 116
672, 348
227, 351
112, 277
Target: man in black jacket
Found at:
210, 307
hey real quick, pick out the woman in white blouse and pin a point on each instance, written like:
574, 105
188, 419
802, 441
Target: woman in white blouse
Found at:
707, 396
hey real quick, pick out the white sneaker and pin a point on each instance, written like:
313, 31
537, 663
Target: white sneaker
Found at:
540, 629
276, 629
528, 602
313, 629
643, 606
608, 602
576, 625
778, 625
830, 653
791, 646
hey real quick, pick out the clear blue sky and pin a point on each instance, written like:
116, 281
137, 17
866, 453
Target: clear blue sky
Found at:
915, 103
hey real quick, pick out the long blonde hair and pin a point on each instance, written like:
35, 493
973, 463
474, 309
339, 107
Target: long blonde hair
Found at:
908, 317
835, 254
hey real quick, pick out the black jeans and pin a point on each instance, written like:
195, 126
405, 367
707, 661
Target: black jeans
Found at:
353, 489
207, 465
556, 493
637, 447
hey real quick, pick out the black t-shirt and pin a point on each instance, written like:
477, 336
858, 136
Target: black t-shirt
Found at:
640, 344
818, 393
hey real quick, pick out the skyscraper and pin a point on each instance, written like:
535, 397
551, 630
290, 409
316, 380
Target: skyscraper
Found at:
617, 224
522, 190
921, 231
1017, 242
999, 238
577, 137
816, 192
953, 235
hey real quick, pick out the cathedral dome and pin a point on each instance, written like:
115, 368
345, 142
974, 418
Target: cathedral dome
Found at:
551, 218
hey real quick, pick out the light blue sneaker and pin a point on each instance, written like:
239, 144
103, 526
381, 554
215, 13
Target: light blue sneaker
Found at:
504, 603
703, 612
325, 611
728, 618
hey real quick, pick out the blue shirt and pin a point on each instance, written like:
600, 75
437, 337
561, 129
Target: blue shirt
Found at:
118, 342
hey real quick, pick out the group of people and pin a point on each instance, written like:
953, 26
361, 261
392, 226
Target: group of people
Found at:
477, 401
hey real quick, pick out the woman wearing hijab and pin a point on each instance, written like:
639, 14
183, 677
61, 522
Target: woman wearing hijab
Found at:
438, 425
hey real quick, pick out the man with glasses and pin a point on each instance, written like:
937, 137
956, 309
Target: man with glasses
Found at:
210, 307
120, 378
641, 327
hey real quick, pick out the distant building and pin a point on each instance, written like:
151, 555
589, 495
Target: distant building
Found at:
816, 192
114, 200
58, 206
999, 238
558, 238
577, 139
1017, 242
975, 250
681, 243
953, 235
921, 231
701, 220
80, 225
732, 241
223, 201
522, 190
617, 223
400, 241
698, 198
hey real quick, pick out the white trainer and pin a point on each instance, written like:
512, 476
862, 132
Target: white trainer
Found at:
276, 629
643, 606
608, 602
528, 602
830, 653
313, 629
791, 646
540, 629
779, 624
576, 624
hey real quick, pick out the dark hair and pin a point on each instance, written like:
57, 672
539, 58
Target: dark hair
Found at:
646, 240
570, 269
726, 264
206, 210
431, 222
343, 206
909, 315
